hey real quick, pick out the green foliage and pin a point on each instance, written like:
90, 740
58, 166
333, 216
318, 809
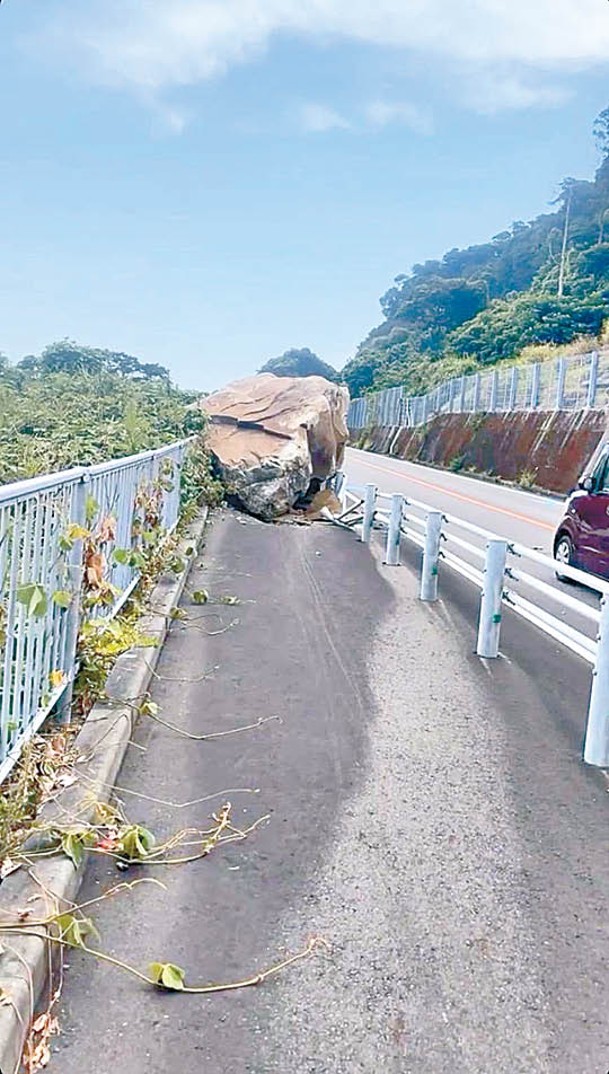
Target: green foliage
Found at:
300, 363
507, 326
166, 975
53, 421
489, 302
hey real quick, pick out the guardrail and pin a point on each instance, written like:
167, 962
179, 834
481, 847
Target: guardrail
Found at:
500, 571
568, 383
64, 537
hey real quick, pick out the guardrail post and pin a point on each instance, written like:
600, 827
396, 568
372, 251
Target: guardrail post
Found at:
431, 556
340, 487
592, 379
78, 516
394, 533
489, 625
369, 511
596, 743
462, 394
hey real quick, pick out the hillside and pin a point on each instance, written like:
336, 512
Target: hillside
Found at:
542, 282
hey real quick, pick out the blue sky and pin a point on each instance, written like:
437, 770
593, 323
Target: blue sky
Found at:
205, 183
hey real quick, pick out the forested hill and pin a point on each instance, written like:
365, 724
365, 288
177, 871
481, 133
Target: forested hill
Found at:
543, 282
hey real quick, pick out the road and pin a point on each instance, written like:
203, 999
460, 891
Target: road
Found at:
429, 817
524, 517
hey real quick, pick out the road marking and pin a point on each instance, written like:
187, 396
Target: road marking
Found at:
459, 495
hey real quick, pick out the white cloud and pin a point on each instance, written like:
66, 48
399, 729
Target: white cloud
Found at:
151, 44
381, 113
492, 92
318, 118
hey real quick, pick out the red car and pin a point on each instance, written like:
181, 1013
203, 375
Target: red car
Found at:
582, 538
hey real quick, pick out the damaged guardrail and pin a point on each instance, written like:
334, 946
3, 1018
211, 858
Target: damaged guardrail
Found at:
498, 567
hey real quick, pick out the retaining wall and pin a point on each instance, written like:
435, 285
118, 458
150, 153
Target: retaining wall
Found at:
545, 449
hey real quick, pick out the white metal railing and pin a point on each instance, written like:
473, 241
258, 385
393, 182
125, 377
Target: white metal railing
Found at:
569, 383
500, 568
64, 537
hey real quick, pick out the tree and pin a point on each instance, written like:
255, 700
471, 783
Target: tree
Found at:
601, 132
300, 363
67, 356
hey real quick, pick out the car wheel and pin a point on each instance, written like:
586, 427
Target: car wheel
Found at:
563, 553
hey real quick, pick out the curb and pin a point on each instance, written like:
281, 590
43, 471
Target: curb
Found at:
26, 965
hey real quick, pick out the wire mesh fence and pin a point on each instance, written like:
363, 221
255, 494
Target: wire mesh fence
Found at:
62, 533
569, 383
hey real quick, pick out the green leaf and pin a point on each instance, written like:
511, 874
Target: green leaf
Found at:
91, 508
73, 844
34, 598
200, 596
62, 598
148, 707
166, 975
72, 848
136, 843
74, 930
121, 555
76, 532
177, 565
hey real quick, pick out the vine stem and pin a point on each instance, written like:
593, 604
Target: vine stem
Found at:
198, 990
212, 734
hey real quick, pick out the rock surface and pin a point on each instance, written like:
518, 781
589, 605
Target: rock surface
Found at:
274, 438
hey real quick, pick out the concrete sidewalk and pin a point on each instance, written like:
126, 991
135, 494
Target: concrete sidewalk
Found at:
429, 817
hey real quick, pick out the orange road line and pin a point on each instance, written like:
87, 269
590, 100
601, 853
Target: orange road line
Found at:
459, 495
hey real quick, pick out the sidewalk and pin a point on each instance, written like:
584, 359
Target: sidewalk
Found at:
429, 818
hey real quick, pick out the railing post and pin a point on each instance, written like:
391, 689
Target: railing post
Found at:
513, 388
431, 556
494, 387
394, 533
596, 744
535, 375
369, 511
592, 380
561, 370
476, 399
489, 625
462, 394
78, 516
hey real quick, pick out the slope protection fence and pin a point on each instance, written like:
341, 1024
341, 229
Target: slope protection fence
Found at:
71, 550
569, 383
507, 574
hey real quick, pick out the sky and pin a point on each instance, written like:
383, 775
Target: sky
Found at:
207, 183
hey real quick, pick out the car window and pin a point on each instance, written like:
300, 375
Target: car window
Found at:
603, 475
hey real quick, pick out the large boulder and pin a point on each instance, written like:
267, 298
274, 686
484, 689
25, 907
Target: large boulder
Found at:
276, 438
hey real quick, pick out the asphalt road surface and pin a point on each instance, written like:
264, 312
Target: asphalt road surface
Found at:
429, 817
